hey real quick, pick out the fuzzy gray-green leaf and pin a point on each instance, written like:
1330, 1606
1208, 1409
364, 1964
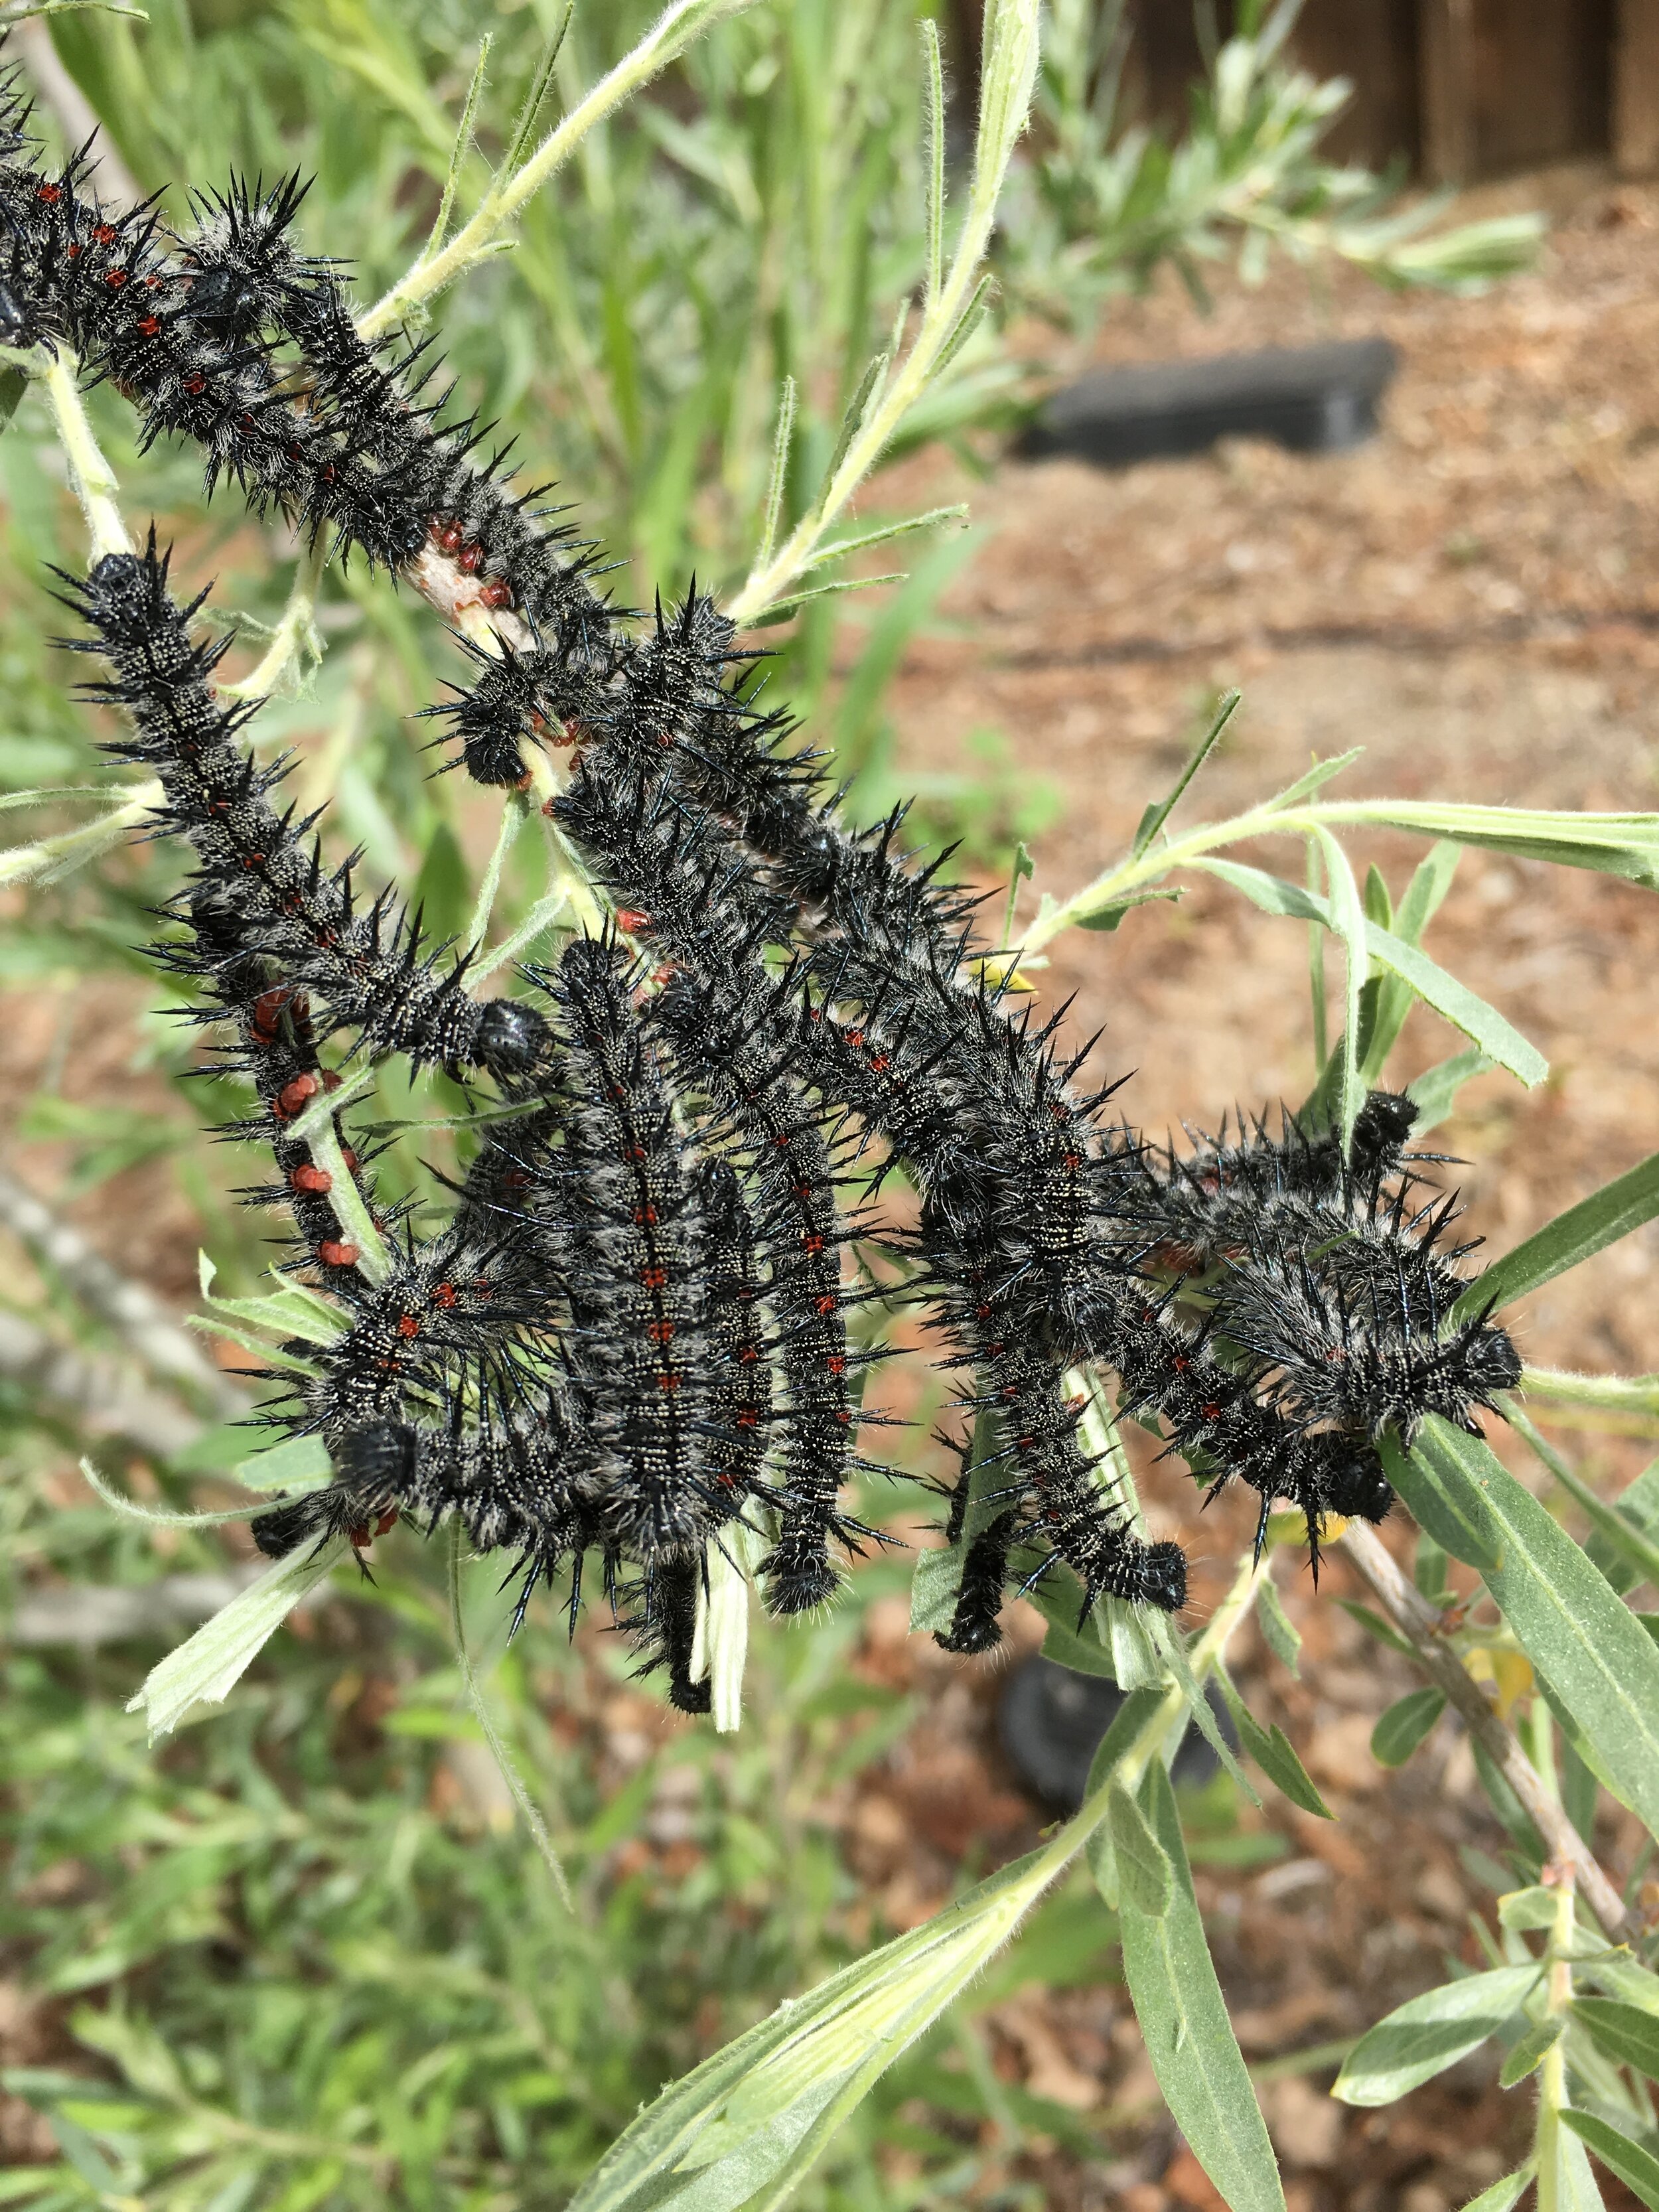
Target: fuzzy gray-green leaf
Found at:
1183, 2020
1599, 1662
1421, 2039
1626, 1203
1404, 1726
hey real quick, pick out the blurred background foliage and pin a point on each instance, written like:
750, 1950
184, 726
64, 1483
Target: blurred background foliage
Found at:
299, 1957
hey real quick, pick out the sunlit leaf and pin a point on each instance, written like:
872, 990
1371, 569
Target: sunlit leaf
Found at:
1422, 2039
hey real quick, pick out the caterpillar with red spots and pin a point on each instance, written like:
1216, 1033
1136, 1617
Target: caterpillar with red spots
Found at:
636, 1326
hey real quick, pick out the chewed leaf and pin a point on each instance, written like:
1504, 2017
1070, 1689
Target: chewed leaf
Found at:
206, 1668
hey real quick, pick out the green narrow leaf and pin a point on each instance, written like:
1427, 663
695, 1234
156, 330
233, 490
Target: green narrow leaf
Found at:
1434, 1091
853, 421
1635, 2166
1281, 1634
1160, 810
1433, 2032
1590, 1226
1501, 2194
1615, 1529
1146, 1877
1172, 1648
1528, 2055
205, 1668
1637, 1507
933, 208
1625, 2031
1348, 921
1379, 907
1320, 773
1566, 2182
1108, 917
1455, 1003
1375, 1626
1597, 1658
882, 533
536, 92
1392, 997
1614, 844
1273, 1752
1189, 2040
972, 316
1457, 1521
741, 2129
1482, 1025
1404, 1726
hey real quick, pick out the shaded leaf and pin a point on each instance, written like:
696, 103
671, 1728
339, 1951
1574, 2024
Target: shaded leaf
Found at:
1458, 1524
1274, 1753
1525, 2057
1597, 1659
1501, 2194
1146, 1877
1183, 2020
1625, 2031
1404, 1726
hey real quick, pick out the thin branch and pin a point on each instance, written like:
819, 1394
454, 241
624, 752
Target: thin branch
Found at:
100, 1395
673, 30
134, 1313
90, 474
1419, 1622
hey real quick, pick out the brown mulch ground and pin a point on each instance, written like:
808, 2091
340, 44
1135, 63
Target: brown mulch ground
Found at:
1474, 598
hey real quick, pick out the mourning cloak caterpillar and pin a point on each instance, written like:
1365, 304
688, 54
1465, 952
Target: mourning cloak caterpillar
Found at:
636, 1325
369, 969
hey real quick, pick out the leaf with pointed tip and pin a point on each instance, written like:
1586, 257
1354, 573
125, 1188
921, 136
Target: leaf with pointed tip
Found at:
1189, 2040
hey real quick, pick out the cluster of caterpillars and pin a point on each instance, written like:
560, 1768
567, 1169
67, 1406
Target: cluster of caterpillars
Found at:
635, 1327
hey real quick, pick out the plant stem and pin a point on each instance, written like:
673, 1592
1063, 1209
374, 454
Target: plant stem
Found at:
1552, 2071
1420, 1623
50, 858
296, 637
1617, 1392
673, 30
1010, 67
90, 474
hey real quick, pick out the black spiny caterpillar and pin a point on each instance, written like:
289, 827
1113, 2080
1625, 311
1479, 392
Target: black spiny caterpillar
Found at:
636, 1326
